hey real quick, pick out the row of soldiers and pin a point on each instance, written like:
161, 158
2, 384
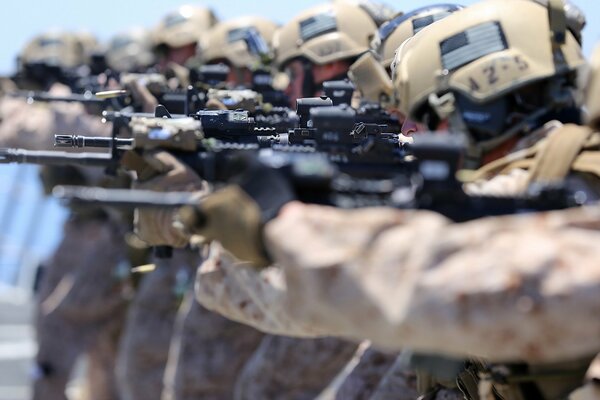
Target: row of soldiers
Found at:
367, 303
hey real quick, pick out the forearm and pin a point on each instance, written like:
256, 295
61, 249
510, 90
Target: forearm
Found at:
243, 293
501, 288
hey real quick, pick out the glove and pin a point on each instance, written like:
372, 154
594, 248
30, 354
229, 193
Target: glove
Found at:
231, 217
155, 226
235, 215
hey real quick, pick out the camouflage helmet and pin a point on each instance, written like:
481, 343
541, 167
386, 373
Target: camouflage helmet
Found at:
88, 41
130, 51
183, 26
94, 52
395, 31
324, 34
225, 41
482, 53
379, 12
55, 48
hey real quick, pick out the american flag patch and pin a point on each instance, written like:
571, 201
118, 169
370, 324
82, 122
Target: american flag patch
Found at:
237, 34
317, 25
472, 44
420, 23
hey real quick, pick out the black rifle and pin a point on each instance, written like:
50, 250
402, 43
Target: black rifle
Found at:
333, 132
273, 178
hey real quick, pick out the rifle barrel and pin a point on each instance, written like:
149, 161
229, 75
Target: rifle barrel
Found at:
86, 98
124, 198
79, 141
22, 156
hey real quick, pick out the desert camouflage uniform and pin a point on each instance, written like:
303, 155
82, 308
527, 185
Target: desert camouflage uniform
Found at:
290, 368
207, 352
149, 326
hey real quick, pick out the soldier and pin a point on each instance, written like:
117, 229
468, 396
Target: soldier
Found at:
515, 291
259, 377
308, 43
176, 37
368, 73
191, 373
224, 43
74, 316
320, 44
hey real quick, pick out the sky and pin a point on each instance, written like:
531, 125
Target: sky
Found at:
25, 18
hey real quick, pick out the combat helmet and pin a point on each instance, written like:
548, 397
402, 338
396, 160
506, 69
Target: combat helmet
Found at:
130, 51
225, 41
324, 34
55, 49
395, 31
183, 26
479, 65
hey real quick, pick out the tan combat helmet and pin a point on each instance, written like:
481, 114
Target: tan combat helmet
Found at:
183, 26
476, 60
324, 34
394, 32
94, 52
592, 91
88, 42
225, 41
57, 48
130, 51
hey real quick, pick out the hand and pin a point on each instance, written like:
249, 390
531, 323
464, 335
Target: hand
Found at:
155, 226
231, 217
141, 95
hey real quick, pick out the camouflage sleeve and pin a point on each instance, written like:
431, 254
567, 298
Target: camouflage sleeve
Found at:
506, 288
245, 294
513, 183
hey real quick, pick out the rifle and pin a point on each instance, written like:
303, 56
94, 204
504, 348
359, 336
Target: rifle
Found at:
333, 132
273, 179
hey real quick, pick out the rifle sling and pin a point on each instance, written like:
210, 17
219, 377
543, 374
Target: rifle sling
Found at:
570, 147
558, 154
